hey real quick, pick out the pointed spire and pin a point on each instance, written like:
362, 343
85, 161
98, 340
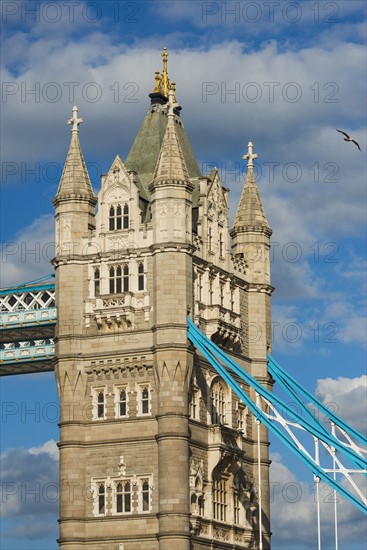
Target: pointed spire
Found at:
250, 211
171, 164
75, 178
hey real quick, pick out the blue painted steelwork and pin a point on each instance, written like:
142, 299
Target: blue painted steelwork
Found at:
27, 318
210, 351
291, 386
25, 286
37, 352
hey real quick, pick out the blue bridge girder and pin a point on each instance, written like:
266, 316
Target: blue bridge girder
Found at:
28, 317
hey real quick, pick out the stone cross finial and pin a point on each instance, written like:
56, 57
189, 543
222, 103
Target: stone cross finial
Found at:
171, 102
250, 156
74, 120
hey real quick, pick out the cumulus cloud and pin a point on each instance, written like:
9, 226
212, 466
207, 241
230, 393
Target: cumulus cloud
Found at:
347, 397
293, 513
29, 255
29, 481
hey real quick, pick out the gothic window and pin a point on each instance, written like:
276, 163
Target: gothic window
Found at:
221, 245
145, 495
219, 493
111, 218
126, 217
123, 497
218, 403
100, 404
145, 400
101, 499
118, 217
119, 279
141, 276
126, 278
123, 403
97, 280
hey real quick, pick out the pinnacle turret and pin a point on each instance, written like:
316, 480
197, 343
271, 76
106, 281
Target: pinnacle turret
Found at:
171, 164
75, 178
250, 211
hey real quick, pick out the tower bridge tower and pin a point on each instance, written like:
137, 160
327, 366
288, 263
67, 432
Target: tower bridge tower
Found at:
156, 452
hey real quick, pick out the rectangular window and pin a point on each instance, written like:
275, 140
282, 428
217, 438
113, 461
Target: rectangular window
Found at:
220, 500
145, 495
101, 499
144, 397
99, 403
121, 402
123, 497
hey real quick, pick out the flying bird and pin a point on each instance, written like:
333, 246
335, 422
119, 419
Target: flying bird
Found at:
348, 138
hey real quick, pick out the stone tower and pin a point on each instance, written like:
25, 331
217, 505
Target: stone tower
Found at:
156, 452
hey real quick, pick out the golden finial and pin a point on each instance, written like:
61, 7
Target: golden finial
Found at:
157, 82
165, 79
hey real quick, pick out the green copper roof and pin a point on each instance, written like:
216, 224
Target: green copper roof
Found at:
144, 153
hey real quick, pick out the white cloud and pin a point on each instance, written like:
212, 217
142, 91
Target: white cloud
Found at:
49, 447
347, 397
293, 513
29, 255
29, 481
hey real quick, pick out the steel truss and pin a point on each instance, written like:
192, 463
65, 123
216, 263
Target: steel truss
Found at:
347, 456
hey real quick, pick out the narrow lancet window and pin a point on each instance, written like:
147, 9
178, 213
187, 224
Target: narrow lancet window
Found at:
141, 276
97, 280
100, 405
101, 498
112, 219
145, 495
126, 278
118, 217
123, 403
126, 217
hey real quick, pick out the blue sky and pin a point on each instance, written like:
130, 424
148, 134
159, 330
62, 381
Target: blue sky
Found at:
282, 74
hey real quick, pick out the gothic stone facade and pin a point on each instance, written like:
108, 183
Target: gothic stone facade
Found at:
156, 452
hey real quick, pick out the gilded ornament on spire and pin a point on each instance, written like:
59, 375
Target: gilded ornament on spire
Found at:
162, 82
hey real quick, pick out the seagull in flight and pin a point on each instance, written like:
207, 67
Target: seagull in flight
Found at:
348, 138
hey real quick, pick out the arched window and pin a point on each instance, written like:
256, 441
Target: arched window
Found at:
123, 497
145, 495
221, 245
118, 217
97, 280
118, 286
219, 494
112, 280
123, 403
218, 403
141, 276
101, 498
126, 217
117, 279
126, 278
112, 219
145, 400
100, 404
